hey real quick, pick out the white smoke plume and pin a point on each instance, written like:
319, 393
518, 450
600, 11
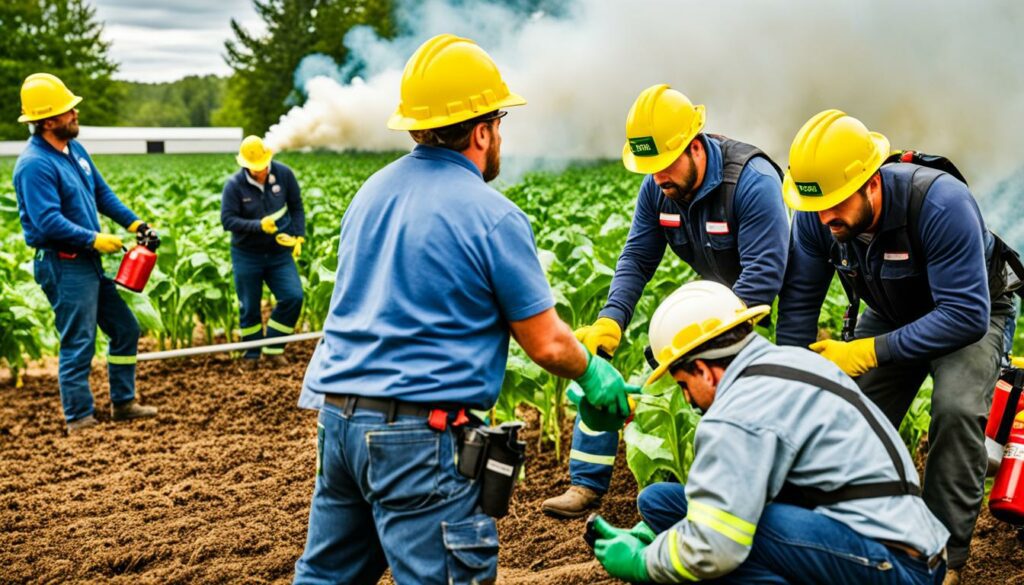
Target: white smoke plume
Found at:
943, 76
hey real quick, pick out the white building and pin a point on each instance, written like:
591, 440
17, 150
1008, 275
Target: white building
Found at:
127, 140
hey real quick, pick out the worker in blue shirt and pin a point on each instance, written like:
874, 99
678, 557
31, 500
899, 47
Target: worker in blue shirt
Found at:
60, 193
910, 241
717, 203
796, 478
262, 208
437, 270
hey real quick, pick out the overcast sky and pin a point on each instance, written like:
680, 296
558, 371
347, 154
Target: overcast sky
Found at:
164, 41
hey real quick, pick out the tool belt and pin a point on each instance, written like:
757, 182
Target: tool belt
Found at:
491, 455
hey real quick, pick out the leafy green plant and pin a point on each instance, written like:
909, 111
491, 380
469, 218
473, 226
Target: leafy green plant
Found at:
659, 441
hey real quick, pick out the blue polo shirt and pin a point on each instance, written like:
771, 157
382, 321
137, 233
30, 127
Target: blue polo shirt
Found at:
432, 266
60, 195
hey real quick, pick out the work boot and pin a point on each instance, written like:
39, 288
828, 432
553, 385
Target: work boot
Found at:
575, 502
249, 364
952, 577
81, 424
276, 361
131, 410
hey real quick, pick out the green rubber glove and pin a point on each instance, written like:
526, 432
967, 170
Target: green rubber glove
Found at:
643, 532
600, 419
620, 552
604, 387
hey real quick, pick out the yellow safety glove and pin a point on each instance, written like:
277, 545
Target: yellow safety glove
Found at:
269, 225
107, 243
605, 334
293, 242
854, 357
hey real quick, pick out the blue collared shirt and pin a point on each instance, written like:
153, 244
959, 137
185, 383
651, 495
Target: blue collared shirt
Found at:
433, 265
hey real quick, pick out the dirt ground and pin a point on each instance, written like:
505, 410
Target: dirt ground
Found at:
216, 490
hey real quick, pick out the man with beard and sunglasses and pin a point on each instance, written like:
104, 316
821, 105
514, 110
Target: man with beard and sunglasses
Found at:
717, 204
435, 270
910, 241
60, 193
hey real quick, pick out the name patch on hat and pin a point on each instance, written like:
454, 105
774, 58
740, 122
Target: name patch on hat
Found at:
669, 220
809, 189
717, 227
896, 256
643, 146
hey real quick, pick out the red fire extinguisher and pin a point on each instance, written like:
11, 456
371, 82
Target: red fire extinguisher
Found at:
1006, 500
1007, 401
138, 263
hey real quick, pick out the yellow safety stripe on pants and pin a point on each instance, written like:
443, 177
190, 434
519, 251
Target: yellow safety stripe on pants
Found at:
722, 522
279, 327
578, 455
122, 360
250, 330
673, 553
589, 431
273, 350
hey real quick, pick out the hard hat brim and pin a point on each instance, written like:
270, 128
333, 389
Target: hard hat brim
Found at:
753, 315
75, 100
398, 121
648, 165
799, 202
255, 166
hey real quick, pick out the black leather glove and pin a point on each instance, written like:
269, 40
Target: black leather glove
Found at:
147, 236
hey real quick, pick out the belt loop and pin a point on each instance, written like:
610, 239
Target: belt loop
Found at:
350, 405
392, 411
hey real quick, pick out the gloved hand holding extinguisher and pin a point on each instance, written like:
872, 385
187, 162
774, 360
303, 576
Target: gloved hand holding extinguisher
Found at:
145, 235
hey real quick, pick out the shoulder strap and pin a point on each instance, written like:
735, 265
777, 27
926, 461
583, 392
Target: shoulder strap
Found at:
735, 156
792, 493
920, 184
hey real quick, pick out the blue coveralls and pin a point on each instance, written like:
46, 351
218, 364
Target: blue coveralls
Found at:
436, 265
59, 198
930, 315
256, 256
762, 229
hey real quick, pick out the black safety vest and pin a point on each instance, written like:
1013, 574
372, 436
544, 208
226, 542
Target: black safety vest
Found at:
713, 253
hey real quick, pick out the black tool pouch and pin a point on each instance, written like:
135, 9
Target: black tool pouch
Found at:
494, 456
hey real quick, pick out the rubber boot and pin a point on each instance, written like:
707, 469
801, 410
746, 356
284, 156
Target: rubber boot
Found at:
577, 501
131, 410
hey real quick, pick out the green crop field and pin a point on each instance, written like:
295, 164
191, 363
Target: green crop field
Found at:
580, 217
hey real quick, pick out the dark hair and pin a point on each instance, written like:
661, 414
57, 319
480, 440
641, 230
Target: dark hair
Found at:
456, 136
734, 335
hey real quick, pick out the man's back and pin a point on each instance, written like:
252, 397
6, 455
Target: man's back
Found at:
433, 264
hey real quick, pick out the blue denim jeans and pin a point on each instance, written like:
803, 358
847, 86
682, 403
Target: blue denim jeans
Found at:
796, 545
83, 297
389, 495
278, 270
592, 457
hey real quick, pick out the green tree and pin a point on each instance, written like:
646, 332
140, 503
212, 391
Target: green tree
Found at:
261, 87
189, 101
61, 37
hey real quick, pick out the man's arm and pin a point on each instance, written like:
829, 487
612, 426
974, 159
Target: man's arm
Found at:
37, 185
231, 211
297, 226
763, 226
808, 275
550, 343
640, 257
735, 469
952, 235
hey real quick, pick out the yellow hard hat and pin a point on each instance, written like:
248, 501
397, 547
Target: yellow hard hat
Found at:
253, 154
449, 80
695, 313
43, 96
659, 126
832, 156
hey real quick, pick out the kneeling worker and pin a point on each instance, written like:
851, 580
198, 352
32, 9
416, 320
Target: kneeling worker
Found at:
797, 476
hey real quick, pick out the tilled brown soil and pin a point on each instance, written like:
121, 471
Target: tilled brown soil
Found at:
216, 490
